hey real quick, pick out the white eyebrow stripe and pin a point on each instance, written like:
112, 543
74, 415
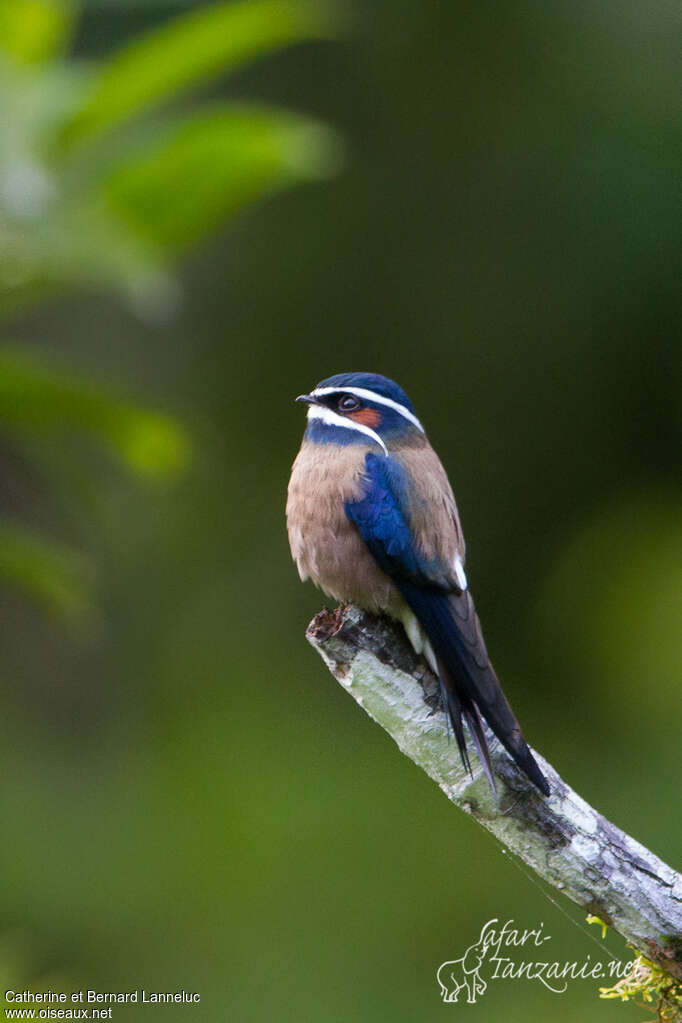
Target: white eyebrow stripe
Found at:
326, 415
364, 392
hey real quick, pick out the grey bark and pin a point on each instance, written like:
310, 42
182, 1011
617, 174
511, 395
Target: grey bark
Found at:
562, 838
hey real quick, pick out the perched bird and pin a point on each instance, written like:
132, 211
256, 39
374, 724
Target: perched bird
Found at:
372, 520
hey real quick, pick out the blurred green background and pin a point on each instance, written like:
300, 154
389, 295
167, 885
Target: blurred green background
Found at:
199, 219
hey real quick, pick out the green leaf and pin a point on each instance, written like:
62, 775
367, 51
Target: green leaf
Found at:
205, 168
33, 30
54, 576
81, 241
191, 49
36, 399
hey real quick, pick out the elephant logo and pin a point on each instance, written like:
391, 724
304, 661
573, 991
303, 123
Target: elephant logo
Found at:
463, 973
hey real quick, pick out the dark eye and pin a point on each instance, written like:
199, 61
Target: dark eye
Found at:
347, 403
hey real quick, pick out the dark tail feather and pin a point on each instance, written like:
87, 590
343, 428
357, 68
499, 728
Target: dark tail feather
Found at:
473, 720
453, 714
451, 623
456, 709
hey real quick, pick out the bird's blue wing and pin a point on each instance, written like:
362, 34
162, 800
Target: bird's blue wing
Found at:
445, 612
382, 518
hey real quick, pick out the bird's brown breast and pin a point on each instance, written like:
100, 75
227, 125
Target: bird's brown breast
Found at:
325, 545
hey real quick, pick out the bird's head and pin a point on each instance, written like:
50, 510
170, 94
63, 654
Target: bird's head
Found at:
356, 407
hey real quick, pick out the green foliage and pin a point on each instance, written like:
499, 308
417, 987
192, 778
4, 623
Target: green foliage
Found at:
189, 50
102, 184
101, 180
37, 400
54, 576
32, 31
232, 155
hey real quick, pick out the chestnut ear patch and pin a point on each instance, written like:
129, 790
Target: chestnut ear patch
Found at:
367, 417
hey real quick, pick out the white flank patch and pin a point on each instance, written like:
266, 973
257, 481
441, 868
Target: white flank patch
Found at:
460, 574
364, 392
325, 415
418, 638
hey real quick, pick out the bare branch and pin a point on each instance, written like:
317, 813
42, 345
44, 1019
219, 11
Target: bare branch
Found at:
563, 839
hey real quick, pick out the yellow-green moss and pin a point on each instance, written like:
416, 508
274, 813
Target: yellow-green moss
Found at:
649, 983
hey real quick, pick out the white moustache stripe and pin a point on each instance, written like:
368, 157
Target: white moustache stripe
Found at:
325, 415
363, 392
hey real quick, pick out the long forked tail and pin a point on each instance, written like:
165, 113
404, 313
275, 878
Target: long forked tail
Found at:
471, 687
457, 711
